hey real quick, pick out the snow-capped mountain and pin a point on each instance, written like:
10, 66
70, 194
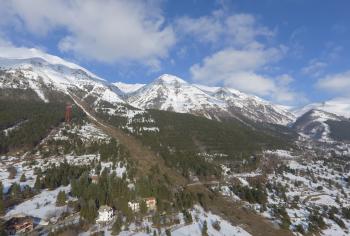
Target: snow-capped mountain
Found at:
171, 93
42, 73
315, 124
253, 108
338, 106
31, 69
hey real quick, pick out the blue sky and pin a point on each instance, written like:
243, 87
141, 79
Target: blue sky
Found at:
292, 52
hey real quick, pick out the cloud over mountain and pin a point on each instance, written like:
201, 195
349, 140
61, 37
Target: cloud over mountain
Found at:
106, 31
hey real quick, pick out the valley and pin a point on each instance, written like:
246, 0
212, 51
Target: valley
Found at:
166, 158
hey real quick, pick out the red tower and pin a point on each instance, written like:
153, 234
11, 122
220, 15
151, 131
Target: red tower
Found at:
68, 114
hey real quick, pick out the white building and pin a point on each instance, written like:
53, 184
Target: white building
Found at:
105, 214
134, 206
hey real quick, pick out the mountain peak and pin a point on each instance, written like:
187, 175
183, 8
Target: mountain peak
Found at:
339, 106
322, 115
170, 79
32, 55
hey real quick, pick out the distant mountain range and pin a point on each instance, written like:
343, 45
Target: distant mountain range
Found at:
44, 76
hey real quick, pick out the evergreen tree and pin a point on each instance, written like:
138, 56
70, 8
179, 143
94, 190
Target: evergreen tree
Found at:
188, 217
98, 168
2, 227
216, 225
61, 199
205, 229
37, 184
88, 210
2, 207
15, 190
23, 178
167, 232
117, 226
143, 207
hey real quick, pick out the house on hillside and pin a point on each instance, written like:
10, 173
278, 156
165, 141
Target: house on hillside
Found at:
134, 206
94, 179
105, 214
151, 203
19, 225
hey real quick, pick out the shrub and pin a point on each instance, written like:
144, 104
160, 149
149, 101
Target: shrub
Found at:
61, 199
12, 172
216, 225
23, 178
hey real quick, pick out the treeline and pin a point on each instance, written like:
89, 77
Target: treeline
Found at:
59, 175
255, 194
14, 195
189, 163
192, 133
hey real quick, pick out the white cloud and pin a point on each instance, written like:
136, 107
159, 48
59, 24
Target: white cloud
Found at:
239, 69
285, 79
332, 51
233, 29
250, 82
105, 30
314, 68
295, 42
285, 94
206, 29
243, 29
335, 83
229, 61
243, 55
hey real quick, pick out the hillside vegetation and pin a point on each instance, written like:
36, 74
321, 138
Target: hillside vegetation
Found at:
24, 123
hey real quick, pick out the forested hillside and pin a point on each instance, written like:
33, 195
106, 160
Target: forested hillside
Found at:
340, 130
196, 145
24, 123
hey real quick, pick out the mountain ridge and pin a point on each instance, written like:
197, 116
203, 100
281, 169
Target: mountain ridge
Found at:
167, 92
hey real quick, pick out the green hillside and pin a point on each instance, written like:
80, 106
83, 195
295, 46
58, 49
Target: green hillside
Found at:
24, 123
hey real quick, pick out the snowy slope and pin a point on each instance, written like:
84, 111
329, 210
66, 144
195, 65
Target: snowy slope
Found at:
195, 228
27, 53
32, 69
171, 93
41, 206
253, 107
128, 88
313, 124
24, 68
